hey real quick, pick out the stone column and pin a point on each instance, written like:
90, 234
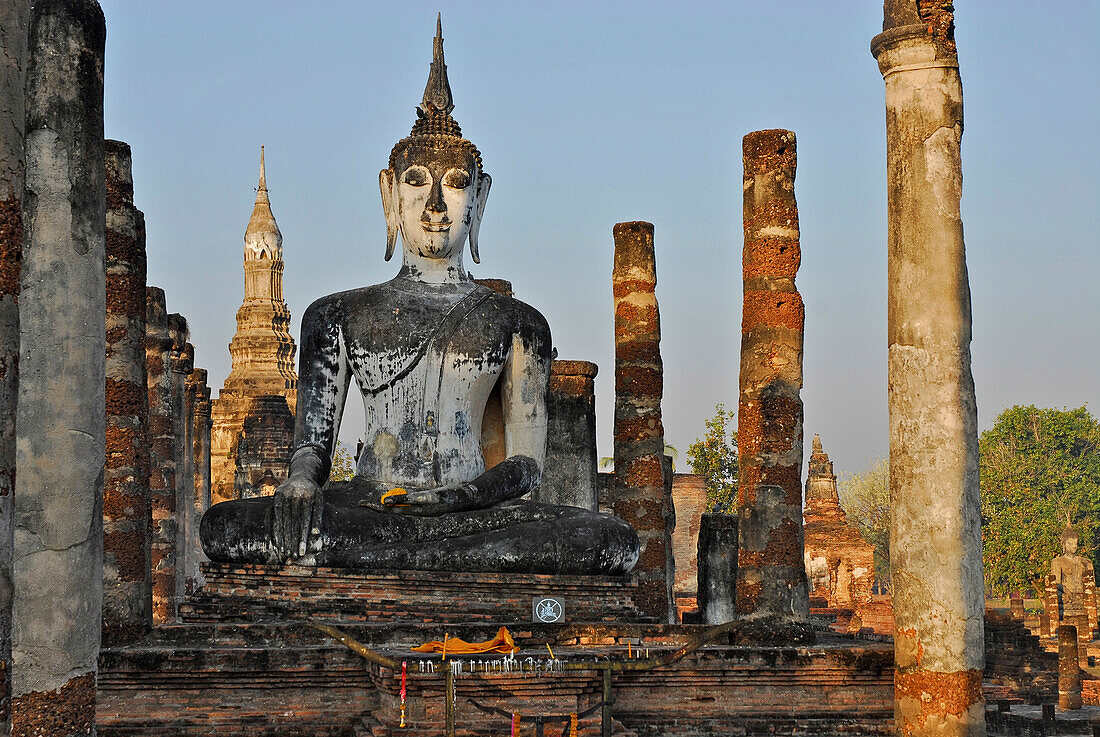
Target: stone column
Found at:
717, 568
1069, 668
200, 463
181, 365
201, 439
641, 496
58, 561
936, 544
127, 591
569, 475
162, 459
14, 17
771, 571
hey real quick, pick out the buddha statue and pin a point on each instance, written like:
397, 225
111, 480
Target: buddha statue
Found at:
425, 349
1071, 587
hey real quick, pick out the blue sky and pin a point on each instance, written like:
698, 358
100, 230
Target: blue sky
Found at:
588, 114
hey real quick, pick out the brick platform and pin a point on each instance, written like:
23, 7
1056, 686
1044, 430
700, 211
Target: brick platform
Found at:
272, 593
285, 679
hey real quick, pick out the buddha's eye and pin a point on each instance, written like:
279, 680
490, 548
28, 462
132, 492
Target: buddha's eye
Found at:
416, 177
457, 179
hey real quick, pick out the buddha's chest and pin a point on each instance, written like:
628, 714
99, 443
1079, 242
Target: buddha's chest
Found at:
419, 356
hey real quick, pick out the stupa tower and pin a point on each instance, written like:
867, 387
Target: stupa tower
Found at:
262, 349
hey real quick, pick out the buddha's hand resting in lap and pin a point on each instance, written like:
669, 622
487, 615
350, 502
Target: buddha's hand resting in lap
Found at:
425, 502
296, 517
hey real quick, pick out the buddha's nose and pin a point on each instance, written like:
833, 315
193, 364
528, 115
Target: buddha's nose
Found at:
435, 201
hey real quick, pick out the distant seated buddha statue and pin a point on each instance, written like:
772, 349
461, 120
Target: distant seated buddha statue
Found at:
426, 349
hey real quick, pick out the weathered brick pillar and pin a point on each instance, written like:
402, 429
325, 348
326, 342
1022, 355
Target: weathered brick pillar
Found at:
58, 565
771, 573
182, 363
936, 543
162, 458
199, 398
127, 589
14, 17
569, 475
641, 495
1069, 668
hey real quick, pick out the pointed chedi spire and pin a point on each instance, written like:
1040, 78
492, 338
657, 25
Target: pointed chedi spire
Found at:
437, 93
263, 172
262, 238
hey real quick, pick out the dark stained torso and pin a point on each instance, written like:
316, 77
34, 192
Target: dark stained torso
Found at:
425, 358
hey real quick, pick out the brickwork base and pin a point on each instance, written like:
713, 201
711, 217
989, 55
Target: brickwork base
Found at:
272, 593
250, 679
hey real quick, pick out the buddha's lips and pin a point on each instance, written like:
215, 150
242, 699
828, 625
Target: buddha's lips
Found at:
436, 227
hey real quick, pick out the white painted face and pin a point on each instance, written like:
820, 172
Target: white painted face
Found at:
436, 201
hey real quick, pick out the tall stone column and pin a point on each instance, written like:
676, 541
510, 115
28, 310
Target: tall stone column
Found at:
162, 458
14, 17
181, 365
127, 591
200, 433
198, 394
641, 497
771, 573
935, 538
58, 561
569, 475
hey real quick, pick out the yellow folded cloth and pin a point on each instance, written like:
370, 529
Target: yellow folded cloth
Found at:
502, 643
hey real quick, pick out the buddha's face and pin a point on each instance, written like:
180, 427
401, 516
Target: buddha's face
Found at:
436, 193
1069, 545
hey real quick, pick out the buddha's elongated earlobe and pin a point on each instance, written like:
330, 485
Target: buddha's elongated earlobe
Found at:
484, 181
385, 183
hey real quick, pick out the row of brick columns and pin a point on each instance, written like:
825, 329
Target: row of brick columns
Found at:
77, 378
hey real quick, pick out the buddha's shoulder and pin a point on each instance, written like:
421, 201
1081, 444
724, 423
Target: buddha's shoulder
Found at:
350, 301
523, 316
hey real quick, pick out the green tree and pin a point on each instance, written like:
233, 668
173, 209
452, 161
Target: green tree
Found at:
714, 457
343, 466
1039, 469
866, 500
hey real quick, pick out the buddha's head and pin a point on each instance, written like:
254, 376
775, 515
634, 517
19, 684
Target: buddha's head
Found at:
1069, 540
434, 190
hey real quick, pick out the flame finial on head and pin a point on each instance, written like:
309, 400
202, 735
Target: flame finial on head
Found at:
437, 93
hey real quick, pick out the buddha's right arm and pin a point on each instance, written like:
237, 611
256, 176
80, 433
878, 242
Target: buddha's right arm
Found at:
323, 378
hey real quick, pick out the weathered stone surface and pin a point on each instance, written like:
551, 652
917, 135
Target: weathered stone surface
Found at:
717, 576
162, 457
840, 564
936, 556
771, 570
58, 558
641, 496
14, 18
569, 475
127, 520
262, 349
426, 349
